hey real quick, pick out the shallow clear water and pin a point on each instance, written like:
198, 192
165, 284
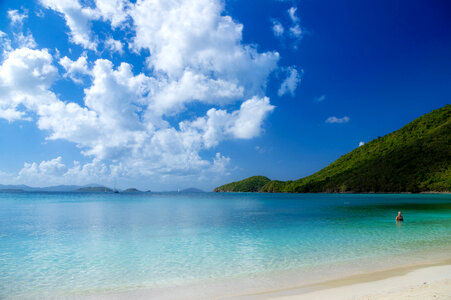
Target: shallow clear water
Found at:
61, 243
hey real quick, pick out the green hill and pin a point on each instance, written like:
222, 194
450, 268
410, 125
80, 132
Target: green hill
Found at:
415, 158
251, 184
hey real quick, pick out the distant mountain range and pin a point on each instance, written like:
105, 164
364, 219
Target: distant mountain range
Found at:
56, 188
91, 188
415, 158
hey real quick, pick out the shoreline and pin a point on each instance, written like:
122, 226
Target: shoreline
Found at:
397, 282
423, 283
354, 285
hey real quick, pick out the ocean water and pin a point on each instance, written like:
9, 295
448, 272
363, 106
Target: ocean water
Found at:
56, 244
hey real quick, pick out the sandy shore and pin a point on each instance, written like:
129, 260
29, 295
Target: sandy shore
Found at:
426, 283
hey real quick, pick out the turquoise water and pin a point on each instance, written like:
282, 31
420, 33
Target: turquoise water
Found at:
64, 243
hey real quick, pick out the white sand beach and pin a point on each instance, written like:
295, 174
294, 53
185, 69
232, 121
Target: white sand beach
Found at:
425, 283
409, 282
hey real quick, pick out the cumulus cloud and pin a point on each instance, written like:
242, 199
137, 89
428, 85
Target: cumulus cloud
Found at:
25, 77
114, 11
290, 83
75, 69
131, 123
336, 120
114, 45
50, 168
218, 125
77, 18
55, 171
16, 17
193, 39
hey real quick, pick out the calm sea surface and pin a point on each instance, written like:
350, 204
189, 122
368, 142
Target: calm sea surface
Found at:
62, 243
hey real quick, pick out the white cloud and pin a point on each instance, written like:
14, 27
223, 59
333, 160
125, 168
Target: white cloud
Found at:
26, 41
77, 18
91, 172
250, 117
53, 167
220, 164
19, 37
194, 87
54, 171
114, 46
197, 53
218, 125
130, 124
114, 11
320, 98
332, 120
75, 69
16, 17
292, 13
5, 42
295, 31
39, 13
290, 83
5, 178
277, 28
110, 127
361, 144
25, 77
195, 36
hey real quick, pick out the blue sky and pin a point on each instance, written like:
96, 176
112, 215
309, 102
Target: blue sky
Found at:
160, 95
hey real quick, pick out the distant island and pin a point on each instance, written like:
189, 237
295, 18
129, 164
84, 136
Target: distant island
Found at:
132, 190
12, 190
94, 189
415, 158
90, 188
26, 188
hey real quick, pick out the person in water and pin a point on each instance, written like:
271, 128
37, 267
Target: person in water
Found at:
399, 217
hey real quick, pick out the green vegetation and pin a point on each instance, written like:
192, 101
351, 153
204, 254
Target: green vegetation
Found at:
132, 190
251, 184
415, 158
